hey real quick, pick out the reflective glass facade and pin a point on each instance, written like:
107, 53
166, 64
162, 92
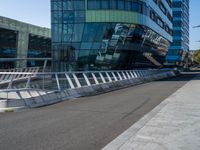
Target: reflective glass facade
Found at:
180, 45
109, 34
38, 47
8, 47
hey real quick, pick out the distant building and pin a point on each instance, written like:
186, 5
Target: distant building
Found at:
179, 49
22, 40
110, 34
191, 55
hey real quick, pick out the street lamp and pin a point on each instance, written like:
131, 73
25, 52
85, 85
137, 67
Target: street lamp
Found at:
196, 26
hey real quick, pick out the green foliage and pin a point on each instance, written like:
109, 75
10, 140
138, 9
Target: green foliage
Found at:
196, 57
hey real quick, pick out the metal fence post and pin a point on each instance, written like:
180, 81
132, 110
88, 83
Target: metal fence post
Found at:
124, 75
114, 76
86, 79
120, 77
28, 82
132, 76
102, 78
110, 80
95, 79
76, 80
70, 81
57, 81
128, 75
11, 82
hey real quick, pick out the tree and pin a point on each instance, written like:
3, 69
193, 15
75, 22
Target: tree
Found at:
196, 57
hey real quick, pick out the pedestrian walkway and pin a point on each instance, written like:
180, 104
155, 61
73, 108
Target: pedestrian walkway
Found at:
172, 125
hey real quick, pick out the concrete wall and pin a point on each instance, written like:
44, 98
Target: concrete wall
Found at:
23, 30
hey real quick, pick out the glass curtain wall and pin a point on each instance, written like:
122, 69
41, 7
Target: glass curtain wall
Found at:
68, 18
81, 45
38, 47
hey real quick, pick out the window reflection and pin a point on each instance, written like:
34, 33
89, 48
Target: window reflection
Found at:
78, 45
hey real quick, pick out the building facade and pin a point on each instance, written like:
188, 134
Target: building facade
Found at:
178, 52
110, 34
22, 40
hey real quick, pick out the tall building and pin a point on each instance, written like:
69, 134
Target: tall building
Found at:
110, 34
179, 49
22, 40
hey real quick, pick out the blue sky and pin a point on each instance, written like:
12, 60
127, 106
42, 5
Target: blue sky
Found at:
38, 12
31, 11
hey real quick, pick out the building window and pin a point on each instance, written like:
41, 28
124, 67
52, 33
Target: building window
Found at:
79, 5
137, 7
94, 4
120, 4
113, 4
162, 7
105, 4
160, 22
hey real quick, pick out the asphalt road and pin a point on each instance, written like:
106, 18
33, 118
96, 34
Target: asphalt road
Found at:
86, 123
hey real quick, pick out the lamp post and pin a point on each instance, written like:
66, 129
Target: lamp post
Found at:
196, 26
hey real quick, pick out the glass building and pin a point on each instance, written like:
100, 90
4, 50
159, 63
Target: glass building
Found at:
110, 34
180, 47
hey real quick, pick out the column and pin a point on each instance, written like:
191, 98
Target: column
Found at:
22, 48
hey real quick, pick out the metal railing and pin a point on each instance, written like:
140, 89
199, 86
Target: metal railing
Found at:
8, 76
36, 89
56, 81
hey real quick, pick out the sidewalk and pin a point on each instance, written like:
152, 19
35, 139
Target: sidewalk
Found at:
172, 125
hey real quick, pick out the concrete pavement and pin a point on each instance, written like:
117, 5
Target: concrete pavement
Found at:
172, 125
87, 123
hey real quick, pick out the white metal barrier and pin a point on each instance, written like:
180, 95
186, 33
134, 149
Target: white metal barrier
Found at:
10, 75
38, 89
66, 80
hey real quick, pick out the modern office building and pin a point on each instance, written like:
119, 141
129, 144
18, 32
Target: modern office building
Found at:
110, 34
179, 49
22, 40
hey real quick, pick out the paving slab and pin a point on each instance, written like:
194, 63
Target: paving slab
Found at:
172, 125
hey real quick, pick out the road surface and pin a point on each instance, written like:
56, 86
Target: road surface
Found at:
86, 123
